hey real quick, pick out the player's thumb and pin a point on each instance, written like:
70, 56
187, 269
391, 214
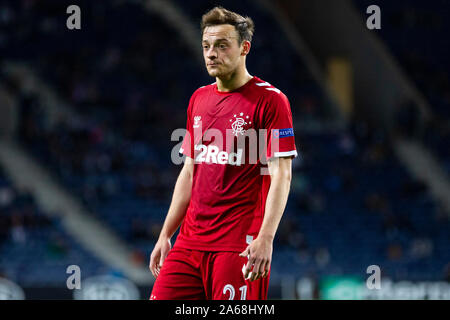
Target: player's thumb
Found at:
245, 253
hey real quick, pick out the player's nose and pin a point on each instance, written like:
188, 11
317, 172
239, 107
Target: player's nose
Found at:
211, 53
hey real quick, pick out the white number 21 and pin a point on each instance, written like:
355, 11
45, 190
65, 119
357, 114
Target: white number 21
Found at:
230, 288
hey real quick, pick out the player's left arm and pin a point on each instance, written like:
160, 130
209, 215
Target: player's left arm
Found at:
260, 250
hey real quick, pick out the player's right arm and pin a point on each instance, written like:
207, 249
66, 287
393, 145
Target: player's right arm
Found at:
177, 210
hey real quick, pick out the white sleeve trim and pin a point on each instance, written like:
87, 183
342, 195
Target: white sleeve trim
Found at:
285, 154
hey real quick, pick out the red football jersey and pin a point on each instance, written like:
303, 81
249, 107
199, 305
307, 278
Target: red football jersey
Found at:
226, 134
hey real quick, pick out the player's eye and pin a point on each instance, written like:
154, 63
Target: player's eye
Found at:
222, 46
205, 47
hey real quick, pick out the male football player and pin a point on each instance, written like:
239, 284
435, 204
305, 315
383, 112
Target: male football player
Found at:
229, 210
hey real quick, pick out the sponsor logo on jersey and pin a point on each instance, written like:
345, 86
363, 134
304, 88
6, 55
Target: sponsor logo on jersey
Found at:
212, 154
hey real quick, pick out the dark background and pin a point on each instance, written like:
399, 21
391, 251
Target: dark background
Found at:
126, 77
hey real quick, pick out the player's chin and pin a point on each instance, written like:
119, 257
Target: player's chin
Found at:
213, 73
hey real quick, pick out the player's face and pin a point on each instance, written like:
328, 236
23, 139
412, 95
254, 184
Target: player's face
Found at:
221, 50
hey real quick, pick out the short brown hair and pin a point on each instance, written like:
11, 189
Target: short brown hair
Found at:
219, 15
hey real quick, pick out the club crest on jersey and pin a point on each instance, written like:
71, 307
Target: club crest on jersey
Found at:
238, 124
196, 121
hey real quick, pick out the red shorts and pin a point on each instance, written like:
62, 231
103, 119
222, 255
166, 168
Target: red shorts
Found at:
201, 275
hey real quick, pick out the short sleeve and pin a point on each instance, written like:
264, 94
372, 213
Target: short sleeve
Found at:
280, 141
187, 147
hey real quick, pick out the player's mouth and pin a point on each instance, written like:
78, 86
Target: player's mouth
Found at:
213, 64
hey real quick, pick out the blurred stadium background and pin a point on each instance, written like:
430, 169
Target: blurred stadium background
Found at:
86, 118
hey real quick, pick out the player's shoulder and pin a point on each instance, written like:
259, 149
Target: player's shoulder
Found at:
198, 93
268, 91
203, 89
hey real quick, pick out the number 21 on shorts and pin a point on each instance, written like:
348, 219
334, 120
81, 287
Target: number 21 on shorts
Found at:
230, 288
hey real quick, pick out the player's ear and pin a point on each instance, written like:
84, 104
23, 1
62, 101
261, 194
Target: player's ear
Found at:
245, 45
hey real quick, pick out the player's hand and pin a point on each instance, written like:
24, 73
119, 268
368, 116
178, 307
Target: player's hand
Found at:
259, 254
159, 254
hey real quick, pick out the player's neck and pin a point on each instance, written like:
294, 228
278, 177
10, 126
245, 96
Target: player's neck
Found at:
233, 81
